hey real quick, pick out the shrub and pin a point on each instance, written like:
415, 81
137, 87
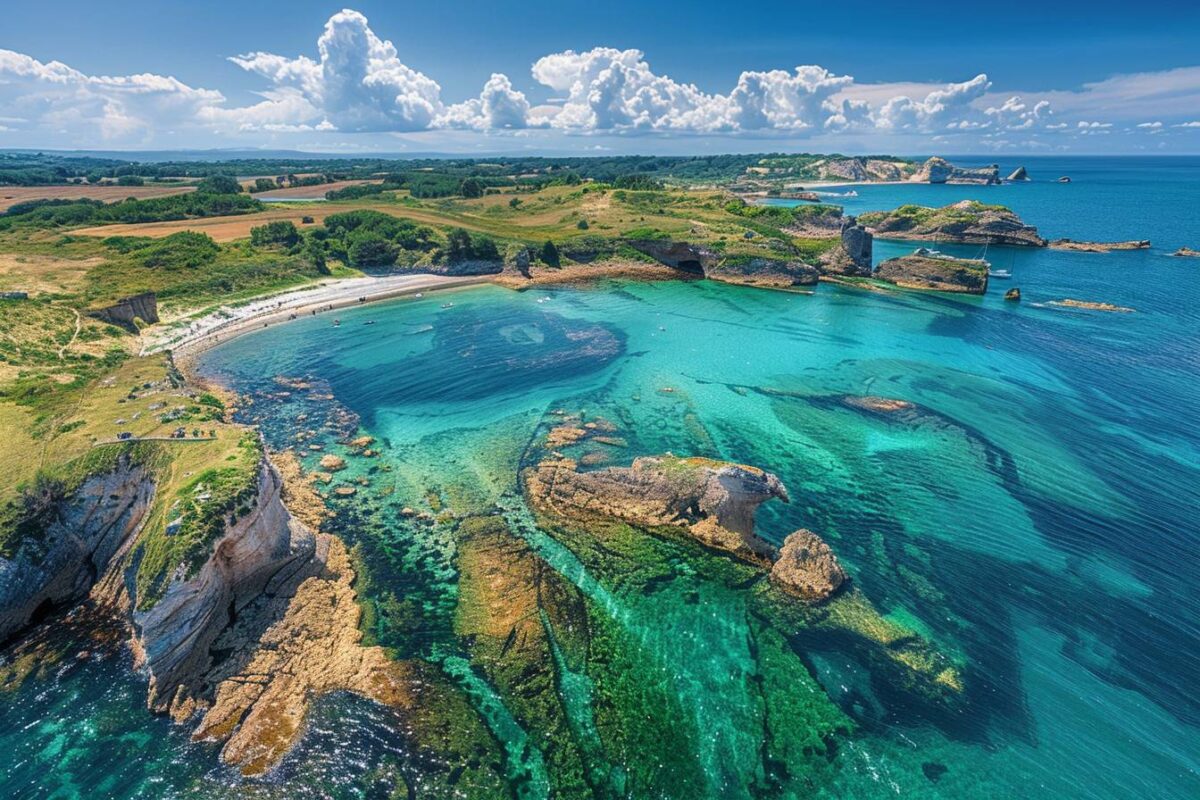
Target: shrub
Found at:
370, 249
219, 184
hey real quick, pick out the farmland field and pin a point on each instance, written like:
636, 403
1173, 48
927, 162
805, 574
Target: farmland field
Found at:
11, 195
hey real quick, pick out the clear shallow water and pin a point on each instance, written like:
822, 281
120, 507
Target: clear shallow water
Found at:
1038, 521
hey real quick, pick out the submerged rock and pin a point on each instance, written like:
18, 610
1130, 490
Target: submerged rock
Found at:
1099, 247
332, 463
807, 568
1013, 294
1089, 305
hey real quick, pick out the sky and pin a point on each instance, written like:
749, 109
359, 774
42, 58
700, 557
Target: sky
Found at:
602, 76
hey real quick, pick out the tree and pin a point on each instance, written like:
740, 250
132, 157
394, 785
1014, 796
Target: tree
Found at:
458, 246
549, 254
130, 180
514, 202
582, 225
219, 184
471, 188
263, 185
371, 250
280, 232
316, 254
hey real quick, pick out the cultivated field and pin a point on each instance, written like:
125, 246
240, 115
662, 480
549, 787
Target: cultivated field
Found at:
308, 192
11, 195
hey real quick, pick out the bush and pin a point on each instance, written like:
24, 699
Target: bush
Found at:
186, 249
582, 225
263, 185
130, 180
279, 232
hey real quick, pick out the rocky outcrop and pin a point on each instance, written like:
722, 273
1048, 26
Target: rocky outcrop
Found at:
294, 643
939, 170
76, 538
967, 221
771, 273
854, 251
714, 501
1013, 295
940, 273
1186, 252
1018, 174
125, 312
1099, 247
807, 568
175, 634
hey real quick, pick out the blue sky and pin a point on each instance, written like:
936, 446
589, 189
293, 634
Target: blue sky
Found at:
590, 76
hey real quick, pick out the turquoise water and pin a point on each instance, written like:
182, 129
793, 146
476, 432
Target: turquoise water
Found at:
1035, 520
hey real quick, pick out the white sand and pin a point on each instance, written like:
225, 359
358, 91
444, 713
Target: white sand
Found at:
191, 336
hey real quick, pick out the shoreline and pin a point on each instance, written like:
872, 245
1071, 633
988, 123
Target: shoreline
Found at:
228, 323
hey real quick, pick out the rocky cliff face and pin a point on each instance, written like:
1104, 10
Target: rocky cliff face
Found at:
863, 169
266, 546
80, 536
123, 313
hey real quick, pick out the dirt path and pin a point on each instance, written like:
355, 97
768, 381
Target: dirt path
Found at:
62, 351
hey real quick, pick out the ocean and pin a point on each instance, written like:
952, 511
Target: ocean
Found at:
1033, 521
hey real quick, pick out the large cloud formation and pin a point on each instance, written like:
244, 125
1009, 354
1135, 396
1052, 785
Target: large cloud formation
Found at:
358, 83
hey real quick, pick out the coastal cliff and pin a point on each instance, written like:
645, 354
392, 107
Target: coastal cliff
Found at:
941, 273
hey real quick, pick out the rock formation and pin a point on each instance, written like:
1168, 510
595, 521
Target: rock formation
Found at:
1089, 305
1187, 252
765, 272
1013, 294
922, 270
807, 568
862, 169
80, 535
123, 313
1018, 174
939, 170
714, 501
854, 252
1099, 247
967, 221
694, 259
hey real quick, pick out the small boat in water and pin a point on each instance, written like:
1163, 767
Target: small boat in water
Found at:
999, 273
447, 305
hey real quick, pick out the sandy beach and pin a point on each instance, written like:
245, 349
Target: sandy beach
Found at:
192, 336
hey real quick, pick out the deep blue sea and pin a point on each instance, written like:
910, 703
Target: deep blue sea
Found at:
1038, 522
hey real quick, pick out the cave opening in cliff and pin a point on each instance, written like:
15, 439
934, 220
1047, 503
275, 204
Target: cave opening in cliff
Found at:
691, 265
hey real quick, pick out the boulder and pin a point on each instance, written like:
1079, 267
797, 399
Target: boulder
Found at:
807, 568
1013, 294
1018, 174
332, 463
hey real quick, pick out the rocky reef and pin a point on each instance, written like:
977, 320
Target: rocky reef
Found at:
939, 170
1186, 252
1090, 305
967, 222
935, 272
713, 501
1098, 247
